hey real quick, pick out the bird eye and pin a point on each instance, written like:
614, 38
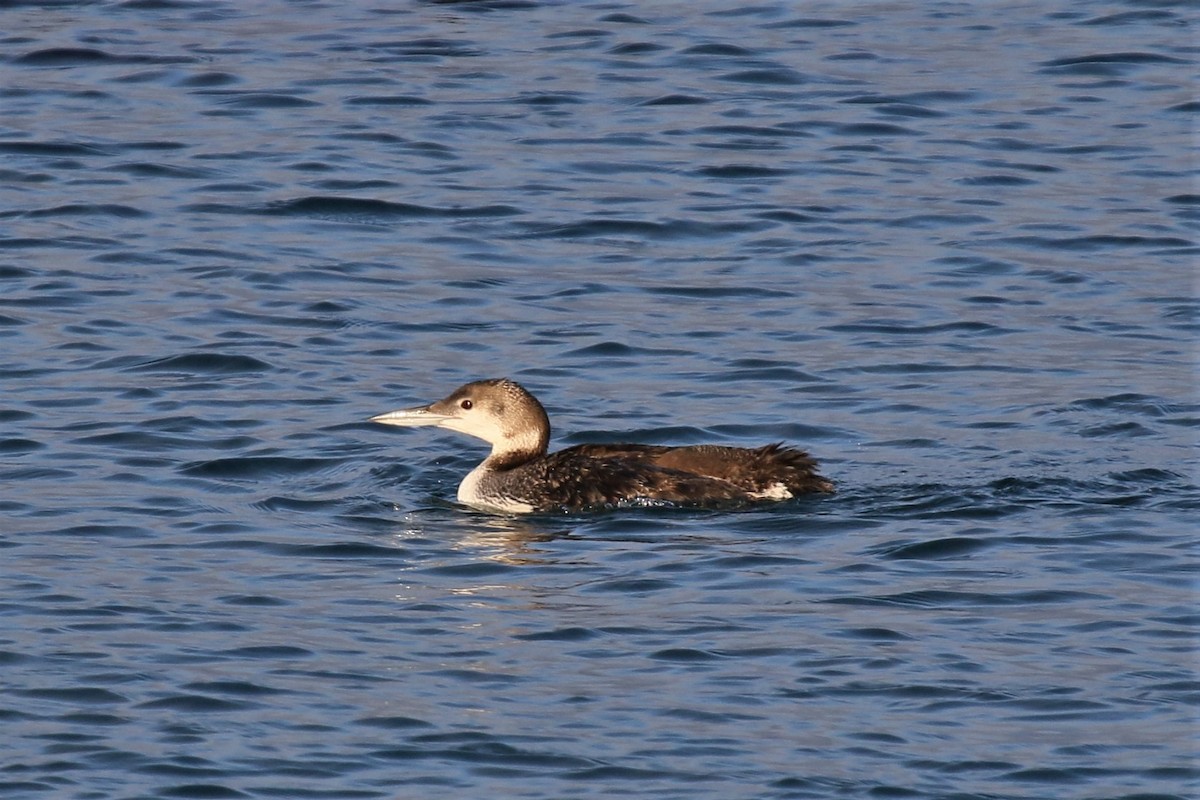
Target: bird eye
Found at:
466, 405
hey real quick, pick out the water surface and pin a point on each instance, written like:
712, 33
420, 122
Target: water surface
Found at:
950, 248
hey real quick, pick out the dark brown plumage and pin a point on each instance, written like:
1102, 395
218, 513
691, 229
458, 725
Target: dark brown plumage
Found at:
520, 476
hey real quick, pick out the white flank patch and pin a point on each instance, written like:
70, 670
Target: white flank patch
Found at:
776, 491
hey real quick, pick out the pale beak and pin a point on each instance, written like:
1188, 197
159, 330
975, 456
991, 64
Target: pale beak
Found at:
411, 417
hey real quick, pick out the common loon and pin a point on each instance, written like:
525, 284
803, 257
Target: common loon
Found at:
519, 476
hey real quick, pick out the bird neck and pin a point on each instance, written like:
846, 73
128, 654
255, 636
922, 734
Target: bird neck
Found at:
517, 450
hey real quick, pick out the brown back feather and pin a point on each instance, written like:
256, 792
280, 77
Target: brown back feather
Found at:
748, 469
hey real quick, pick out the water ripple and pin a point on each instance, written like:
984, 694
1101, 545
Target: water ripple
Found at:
230, 236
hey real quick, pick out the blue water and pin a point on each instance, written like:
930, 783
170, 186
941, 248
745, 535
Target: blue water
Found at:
950, 248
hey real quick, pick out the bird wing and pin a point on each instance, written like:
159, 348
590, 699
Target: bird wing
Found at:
752, 470
597, 475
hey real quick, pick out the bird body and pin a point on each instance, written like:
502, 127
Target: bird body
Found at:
520, 476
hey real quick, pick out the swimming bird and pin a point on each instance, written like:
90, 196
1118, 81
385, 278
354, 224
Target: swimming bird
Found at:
520, 476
